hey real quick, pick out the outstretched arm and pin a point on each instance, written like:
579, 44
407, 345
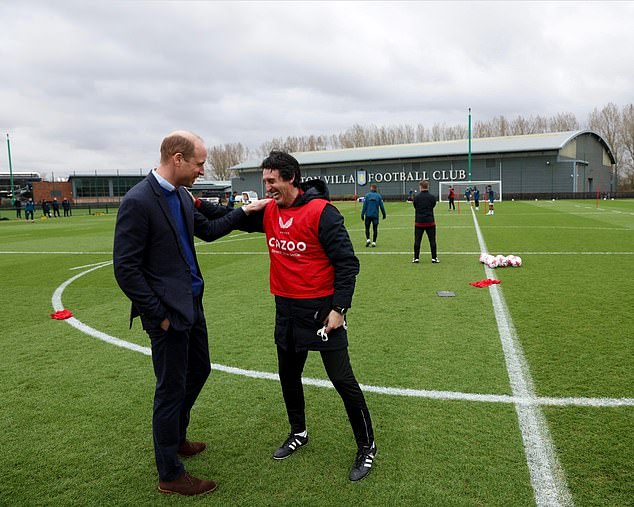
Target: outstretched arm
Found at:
215, 224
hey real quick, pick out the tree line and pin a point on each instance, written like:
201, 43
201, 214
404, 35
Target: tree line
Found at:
615, 125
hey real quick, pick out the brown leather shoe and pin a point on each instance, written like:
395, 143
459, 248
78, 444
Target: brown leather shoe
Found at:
187, 485
189, 449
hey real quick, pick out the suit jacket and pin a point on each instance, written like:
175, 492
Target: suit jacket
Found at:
149, 262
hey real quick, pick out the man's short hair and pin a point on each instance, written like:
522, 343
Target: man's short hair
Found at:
424, 184
177, 143
286, 164
373, 187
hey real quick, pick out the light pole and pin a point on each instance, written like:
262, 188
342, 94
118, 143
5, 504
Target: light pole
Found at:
10, 172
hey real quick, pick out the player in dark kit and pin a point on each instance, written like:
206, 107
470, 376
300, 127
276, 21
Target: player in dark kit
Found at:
452, 199
424, 204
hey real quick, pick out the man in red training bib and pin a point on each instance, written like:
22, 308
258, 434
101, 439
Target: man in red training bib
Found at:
313, 272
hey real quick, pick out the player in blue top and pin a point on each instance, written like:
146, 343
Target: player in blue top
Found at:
370, 213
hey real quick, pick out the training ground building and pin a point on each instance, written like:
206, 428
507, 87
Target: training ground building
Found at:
574, 164
110, 188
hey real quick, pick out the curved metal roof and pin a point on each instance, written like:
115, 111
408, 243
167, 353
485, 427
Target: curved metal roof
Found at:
479, 146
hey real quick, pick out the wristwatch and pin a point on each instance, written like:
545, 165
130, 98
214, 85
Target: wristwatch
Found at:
340, 309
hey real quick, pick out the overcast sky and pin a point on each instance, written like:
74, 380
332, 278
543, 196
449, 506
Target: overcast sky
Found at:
95, 85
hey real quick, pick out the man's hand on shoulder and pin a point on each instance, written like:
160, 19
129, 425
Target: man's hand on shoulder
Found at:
256, 206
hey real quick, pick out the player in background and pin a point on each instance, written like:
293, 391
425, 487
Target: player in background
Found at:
491, 198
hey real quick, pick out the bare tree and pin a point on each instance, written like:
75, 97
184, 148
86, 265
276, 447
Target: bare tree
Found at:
563, 122
607, 123
482, 129
520, 126
220, 159
539, 125
438, 132
627, 141
316, 143
500, 126
421, 134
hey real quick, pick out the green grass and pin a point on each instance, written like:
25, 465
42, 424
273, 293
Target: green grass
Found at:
76, 412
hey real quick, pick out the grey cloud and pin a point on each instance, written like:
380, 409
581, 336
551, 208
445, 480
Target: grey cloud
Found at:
95, 85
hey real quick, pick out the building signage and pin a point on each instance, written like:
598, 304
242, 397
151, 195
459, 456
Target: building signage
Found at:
363, 177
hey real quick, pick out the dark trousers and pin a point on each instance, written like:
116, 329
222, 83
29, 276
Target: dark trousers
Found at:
452, 204
181, 365
375, 227
418, 236
28, 214
339, 370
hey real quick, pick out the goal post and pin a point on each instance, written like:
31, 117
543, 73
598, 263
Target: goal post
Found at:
460, 188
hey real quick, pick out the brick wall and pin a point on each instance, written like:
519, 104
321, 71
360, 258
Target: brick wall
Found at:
52, 189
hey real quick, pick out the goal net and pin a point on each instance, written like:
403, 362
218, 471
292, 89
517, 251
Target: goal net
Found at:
460, 190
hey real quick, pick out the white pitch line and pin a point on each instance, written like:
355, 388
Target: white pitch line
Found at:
100, 264
547, 476
358, 252
393, 391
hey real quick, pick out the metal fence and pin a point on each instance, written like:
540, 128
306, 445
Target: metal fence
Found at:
9, 213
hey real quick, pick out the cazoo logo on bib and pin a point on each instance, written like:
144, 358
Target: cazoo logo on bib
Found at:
286, 245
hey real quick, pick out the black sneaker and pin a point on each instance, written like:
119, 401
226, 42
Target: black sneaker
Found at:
362, 463
435, 261
290, 445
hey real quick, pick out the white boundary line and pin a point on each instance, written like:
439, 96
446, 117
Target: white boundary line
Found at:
393, 391
358, 252
547, 476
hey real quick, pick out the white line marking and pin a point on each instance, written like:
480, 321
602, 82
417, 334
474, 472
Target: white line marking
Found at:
393, 391
547, 476
100, 264
358, 252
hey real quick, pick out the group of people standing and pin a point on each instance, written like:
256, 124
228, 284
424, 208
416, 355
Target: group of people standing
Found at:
29, 208
472, 195
424, 203
424, 222
313, 272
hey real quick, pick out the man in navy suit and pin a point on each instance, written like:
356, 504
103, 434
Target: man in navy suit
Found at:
156, 267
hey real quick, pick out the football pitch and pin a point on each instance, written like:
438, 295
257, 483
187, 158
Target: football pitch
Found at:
518, 394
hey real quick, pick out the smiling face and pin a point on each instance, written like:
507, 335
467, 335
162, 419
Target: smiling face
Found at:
282, 191
188, 169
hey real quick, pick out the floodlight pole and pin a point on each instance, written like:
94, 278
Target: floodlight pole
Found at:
10, 172
469, 156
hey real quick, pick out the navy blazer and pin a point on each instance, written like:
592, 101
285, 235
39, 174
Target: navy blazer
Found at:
149, 262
